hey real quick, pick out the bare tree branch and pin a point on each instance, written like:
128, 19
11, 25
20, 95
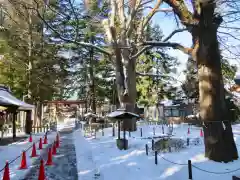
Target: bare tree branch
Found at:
173, 33
155, 75
164, 40
150, 15
129, 25
141, 51
169, 44
165, 10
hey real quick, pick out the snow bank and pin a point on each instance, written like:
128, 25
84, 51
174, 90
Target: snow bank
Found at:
134, 164
12, 151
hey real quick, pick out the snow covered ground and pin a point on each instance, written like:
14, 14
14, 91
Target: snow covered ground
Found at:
100, 159
13, 152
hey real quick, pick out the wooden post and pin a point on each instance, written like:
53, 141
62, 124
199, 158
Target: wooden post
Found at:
28, 123
13, 111
189, 170
153, 144
187, 141
141, 132
146, 146
156, 159
113, 130
124, 139
14, 117
119, 129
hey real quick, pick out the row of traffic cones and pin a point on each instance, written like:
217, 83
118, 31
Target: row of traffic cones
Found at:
52, 151
45, 141
201, 132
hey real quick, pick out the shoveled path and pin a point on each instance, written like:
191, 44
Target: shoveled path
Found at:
64, 167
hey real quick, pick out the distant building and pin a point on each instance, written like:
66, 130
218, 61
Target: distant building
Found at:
172, 111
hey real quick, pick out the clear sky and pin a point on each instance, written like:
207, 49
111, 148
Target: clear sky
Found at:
168, 25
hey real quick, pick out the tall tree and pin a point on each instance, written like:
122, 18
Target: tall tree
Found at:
203, 24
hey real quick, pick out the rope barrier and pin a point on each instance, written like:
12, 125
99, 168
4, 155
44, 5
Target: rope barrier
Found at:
198, 168
181, 164
13, 160
212, 172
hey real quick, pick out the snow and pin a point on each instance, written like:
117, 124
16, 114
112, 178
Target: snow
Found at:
68, 123
100, 156
120, 112
90, 114
9, 98
237, 76
12, 151
85, 163
166, 102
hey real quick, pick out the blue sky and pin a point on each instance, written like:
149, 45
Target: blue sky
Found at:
168, 25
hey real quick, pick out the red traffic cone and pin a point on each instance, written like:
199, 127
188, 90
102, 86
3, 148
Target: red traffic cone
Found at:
49, 160
201, 133
30, 138
45, 139
41, 175
24, 161
40, 144
188, 131
54, 149
34, 151
6, 175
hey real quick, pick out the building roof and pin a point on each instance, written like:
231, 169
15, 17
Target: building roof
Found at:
7, 98
65, 102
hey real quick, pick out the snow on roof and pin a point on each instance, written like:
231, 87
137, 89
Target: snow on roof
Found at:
6, 96
237, 76
166, 102
90, 114
120, 112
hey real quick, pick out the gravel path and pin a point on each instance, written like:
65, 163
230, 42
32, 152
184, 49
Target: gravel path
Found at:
64, 167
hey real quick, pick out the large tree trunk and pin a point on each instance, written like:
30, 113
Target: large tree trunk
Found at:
126, 85
218, 136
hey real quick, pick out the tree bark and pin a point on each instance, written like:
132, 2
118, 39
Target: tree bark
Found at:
218, 136
126, 85
92, 84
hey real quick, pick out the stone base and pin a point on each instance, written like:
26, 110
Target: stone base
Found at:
121, 143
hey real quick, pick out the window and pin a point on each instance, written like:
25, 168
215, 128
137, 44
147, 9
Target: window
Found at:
175, 113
